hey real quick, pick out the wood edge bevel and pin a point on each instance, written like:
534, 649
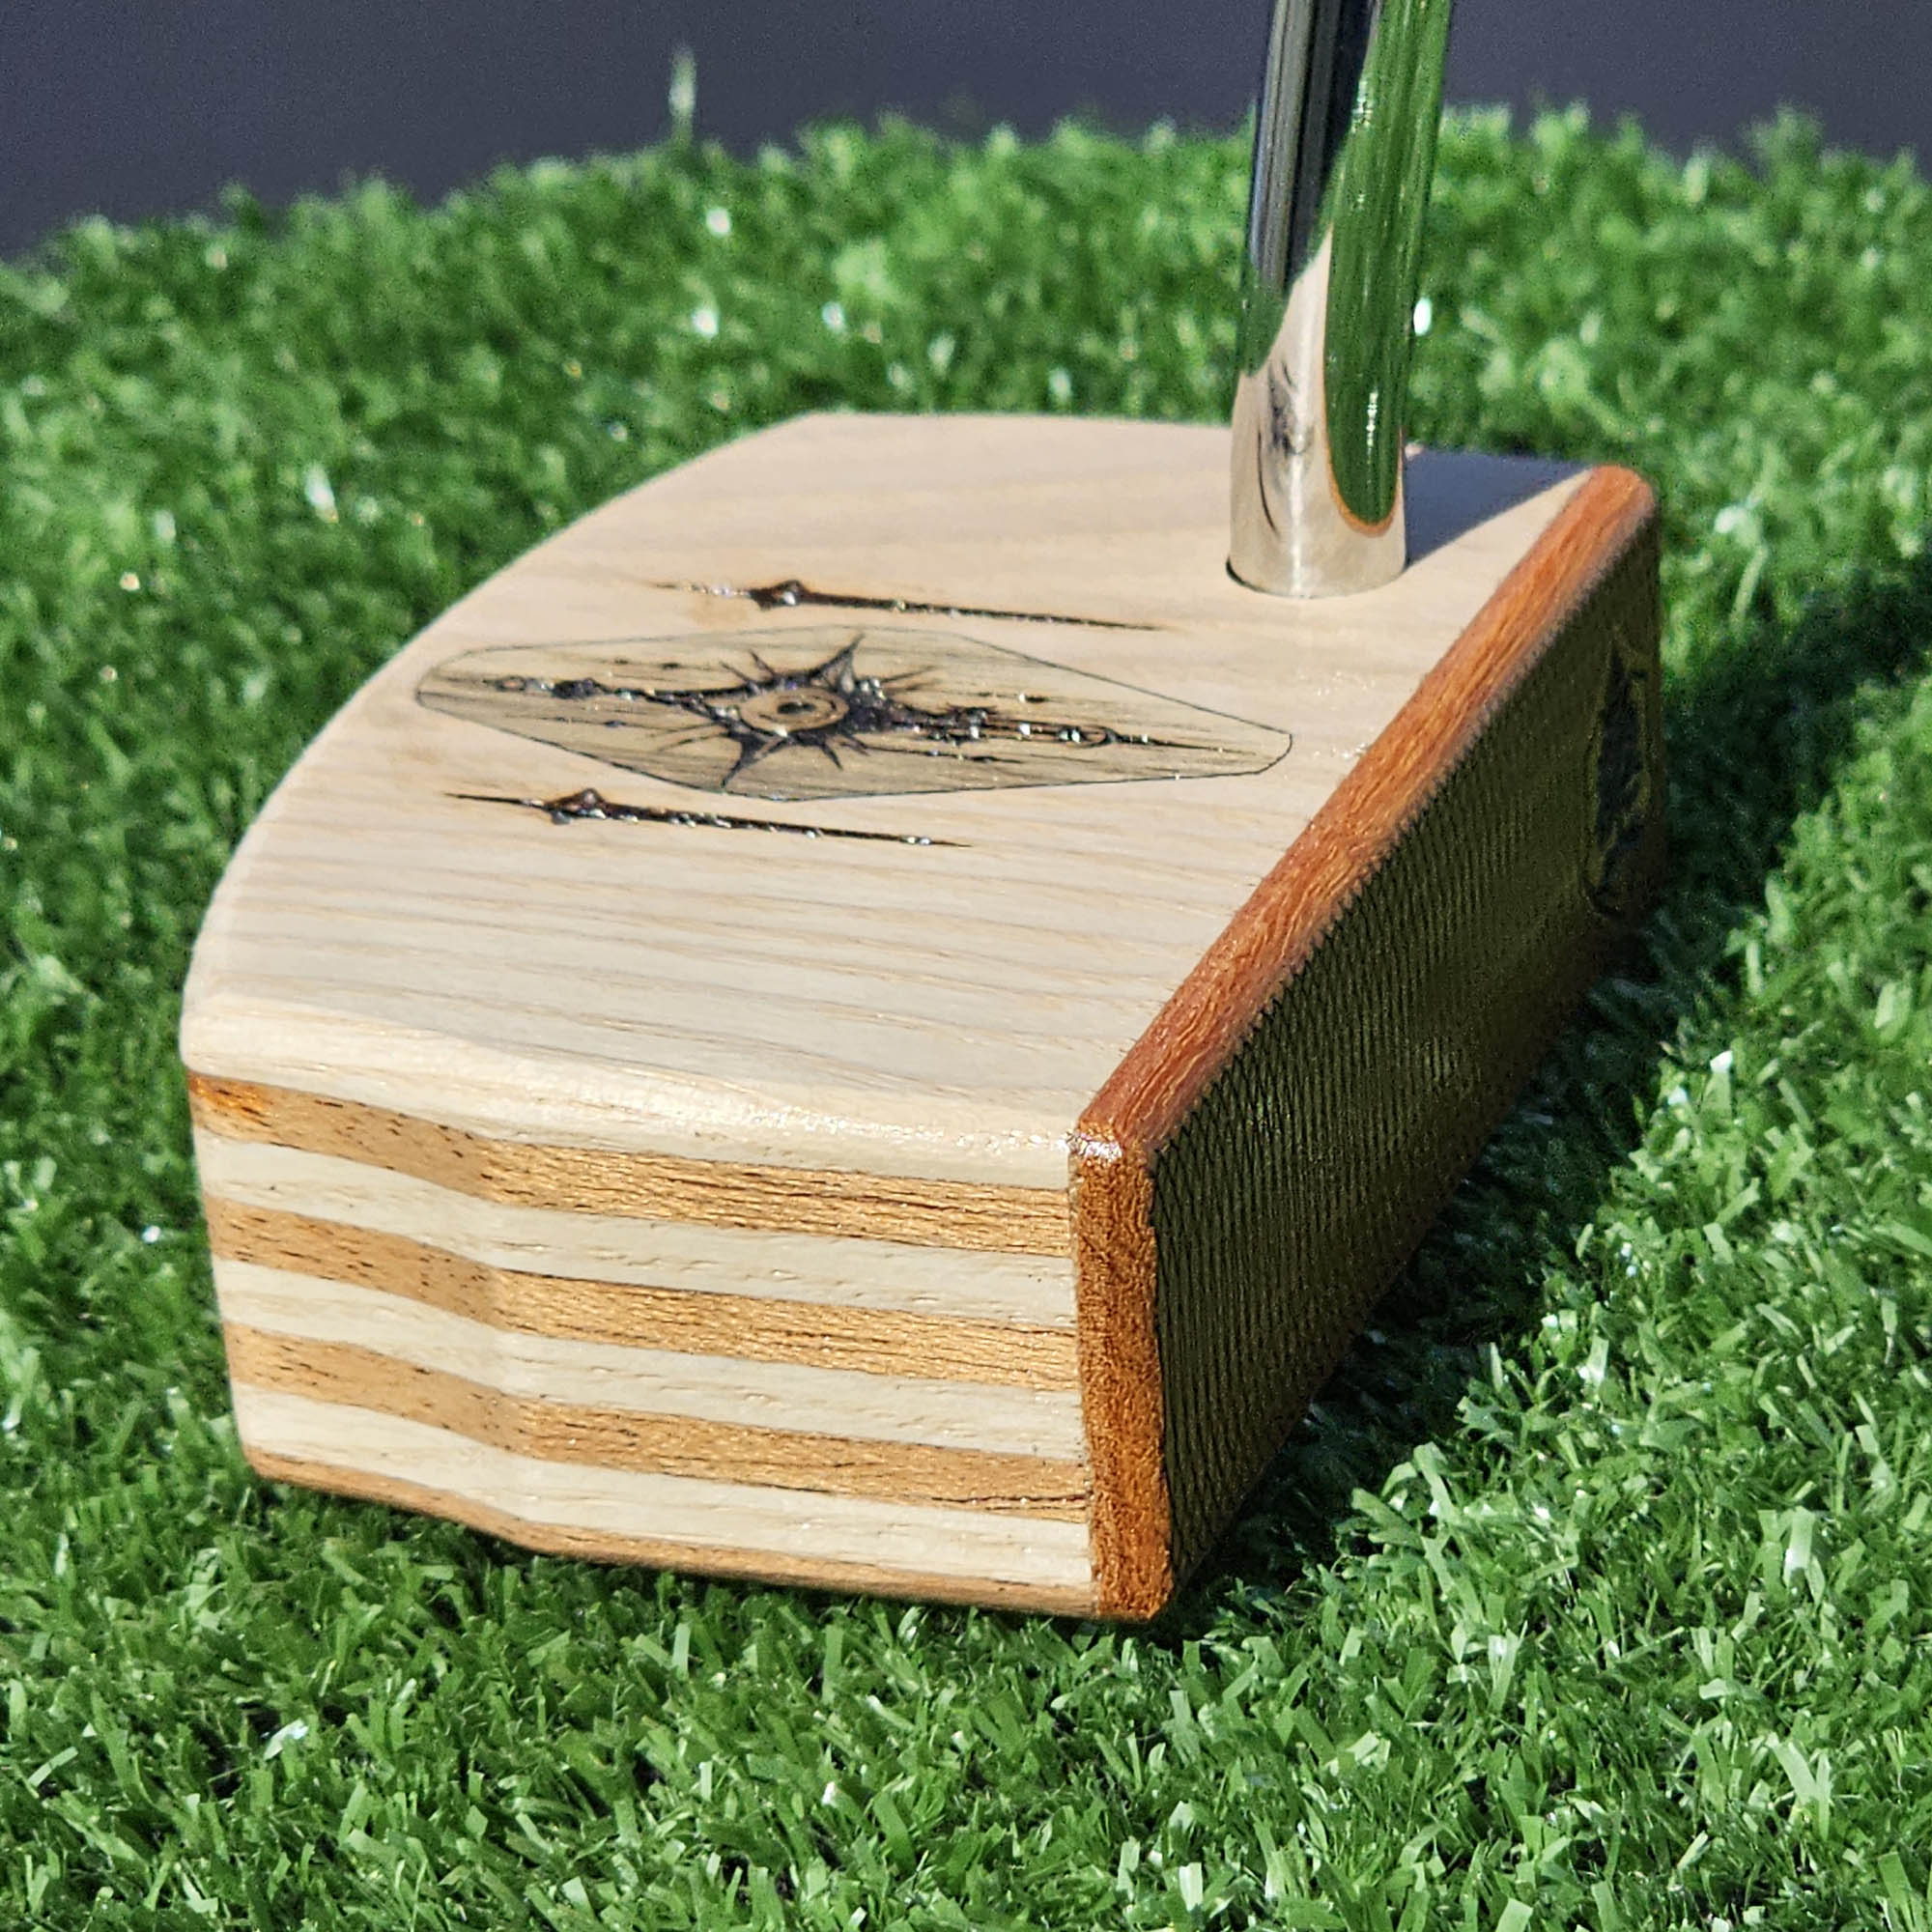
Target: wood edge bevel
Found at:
657, 1553
1211, 1014
976, 1216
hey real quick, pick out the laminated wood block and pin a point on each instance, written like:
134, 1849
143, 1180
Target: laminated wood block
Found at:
865, 1016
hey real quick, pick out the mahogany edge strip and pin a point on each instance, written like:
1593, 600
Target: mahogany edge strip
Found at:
1120, 1399
738, 1327
640, 1442
659, 1554
977, 1216
1211, 1014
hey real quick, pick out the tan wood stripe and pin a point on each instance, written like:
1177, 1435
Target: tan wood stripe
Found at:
711, 1388
622, 1440
740, 1328
1212, 1011
1023, 1290
767, 1523
665, 1554
666, 1187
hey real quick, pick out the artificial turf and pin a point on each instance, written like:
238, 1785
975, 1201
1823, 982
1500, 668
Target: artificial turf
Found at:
1598, 1591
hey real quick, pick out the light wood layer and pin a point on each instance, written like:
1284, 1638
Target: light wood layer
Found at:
389, 935
658, 1187
840, 1273
556, 1430
861, 1406
670, 1522
742, 1327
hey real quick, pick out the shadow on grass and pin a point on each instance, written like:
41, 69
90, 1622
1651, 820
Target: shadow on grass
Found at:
1755, 736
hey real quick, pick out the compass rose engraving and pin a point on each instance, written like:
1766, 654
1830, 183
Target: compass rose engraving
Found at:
840, 711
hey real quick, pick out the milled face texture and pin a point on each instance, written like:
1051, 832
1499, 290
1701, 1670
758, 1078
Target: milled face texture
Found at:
840, 711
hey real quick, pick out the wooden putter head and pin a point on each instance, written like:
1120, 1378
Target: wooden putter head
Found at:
876, 1012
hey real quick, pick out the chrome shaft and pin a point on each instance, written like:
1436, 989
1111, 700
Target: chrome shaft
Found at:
1345, 145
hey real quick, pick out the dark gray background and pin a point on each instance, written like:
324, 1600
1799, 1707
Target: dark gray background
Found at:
133, 107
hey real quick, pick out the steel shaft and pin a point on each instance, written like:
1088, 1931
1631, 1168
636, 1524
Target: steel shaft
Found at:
1345, 146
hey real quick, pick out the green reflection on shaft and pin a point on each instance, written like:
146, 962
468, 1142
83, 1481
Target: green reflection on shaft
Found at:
1381, 194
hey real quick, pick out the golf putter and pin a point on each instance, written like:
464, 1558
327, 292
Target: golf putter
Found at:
876, 1012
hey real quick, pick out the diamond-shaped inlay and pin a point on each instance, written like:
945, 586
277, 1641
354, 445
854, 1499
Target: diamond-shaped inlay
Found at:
840, 711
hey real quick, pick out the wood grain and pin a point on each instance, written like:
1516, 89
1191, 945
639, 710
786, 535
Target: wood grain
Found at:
815, 1571
831, 1542
613, 1439
867, 1341
1280, 925
861, 1406
724, 1194
755, 1000
1120, 1368
830, 1270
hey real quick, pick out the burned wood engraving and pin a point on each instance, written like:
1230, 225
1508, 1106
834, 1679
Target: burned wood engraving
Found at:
843, 712
790, 594
576, 806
